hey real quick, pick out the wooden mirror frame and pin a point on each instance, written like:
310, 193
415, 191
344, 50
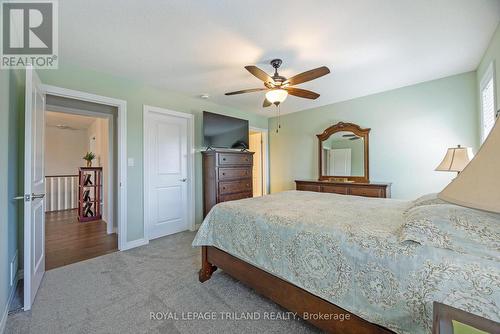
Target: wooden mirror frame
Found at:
358, 131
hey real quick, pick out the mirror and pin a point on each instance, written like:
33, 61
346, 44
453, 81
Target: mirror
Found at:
343, 153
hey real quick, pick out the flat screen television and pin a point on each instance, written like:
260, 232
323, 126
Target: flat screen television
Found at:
221, 131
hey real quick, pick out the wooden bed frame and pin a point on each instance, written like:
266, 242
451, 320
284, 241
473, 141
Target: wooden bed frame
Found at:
287, 295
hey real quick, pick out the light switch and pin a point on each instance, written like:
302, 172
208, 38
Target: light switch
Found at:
131, 162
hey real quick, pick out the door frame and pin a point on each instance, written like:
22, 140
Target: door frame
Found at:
147, 109
121, 199
265, 157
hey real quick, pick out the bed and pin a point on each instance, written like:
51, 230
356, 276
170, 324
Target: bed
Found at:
383, 262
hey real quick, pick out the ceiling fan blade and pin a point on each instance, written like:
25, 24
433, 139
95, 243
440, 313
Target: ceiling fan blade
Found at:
63, 127
246, 91
260, 74
308, 75
266, 103
307, 94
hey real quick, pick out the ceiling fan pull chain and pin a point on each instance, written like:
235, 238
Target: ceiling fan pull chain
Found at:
279, 118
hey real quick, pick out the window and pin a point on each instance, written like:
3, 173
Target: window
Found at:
487, 95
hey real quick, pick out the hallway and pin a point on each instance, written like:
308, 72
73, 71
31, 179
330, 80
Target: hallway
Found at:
68, 241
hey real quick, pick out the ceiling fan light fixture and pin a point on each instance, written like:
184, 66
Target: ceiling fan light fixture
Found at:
278, 87
276, 96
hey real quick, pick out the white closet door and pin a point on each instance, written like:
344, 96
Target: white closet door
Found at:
166, 160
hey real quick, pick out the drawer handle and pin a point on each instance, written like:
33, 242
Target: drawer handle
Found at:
248, 185
223, 173
223, 159
223, 188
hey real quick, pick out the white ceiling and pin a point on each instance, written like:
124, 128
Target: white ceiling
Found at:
196, 47
74, 122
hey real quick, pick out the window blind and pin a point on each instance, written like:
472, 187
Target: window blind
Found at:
487, 104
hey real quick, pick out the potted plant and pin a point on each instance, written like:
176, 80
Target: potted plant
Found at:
89, 157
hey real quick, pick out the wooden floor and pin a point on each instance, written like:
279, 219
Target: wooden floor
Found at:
69, 241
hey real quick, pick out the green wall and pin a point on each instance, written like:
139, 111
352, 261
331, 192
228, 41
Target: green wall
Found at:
411, 128
491, 54
4, 217
10, 94
137, 94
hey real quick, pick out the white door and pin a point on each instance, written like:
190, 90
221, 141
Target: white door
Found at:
341, 161
34, 188
166, 158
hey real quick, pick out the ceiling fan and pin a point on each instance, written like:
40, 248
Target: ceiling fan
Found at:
278, 87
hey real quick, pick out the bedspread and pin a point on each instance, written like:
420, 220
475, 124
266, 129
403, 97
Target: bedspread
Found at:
346, 249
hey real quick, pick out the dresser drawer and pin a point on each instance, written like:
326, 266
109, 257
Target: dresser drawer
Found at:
381, 190
234, 197
308, 187
367, 192
230, 187
234, 173
343, 190
235, 159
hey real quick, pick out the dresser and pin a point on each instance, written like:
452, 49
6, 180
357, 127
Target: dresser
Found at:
227, 176
381, 190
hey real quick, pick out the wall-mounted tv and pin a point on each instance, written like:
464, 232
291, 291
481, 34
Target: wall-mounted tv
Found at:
221, 131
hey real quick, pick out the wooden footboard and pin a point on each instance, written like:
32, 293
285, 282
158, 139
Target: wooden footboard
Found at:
309, 307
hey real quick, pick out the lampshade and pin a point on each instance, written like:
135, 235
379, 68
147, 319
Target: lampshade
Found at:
276, 96
456, 159
478, 185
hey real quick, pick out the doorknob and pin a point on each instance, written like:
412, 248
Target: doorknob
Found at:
35, 196
183, 180
26, 197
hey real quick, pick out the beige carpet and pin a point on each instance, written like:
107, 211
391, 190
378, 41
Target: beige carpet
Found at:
116, 293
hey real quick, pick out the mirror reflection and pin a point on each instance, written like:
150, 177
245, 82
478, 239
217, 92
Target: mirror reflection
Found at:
343, 155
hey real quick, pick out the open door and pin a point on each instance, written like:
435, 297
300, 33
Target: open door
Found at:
34, 188
258, 144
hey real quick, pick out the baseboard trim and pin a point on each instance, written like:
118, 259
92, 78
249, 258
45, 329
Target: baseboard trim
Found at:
135, 243
113, 230
3, 321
